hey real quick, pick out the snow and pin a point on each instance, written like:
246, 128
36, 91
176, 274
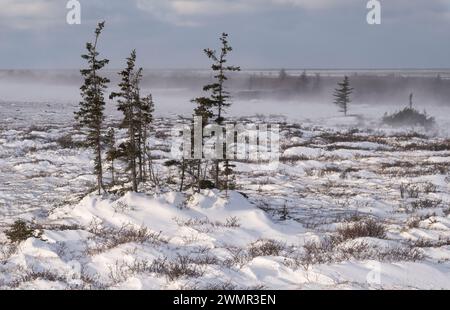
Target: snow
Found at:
303, 151
333, 171
211, 209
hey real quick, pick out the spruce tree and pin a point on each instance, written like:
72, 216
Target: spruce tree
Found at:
303, 82
138, 122
126, 104
146, 118
282, 75
91, 112
228, 173
143, 117
219, 95
137, 117
219, 99
342, 95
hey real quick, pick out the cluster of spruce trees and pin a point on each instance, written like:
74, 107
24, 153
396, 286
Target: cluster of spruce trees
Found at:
216, 173
211, 108
138, 116
137, 111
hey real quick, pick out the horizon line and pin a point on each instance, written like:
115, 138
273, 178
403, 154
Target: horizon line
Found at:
243, 70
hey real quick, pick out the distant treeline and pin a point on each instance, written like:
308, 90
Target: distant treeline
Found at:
281, 85
367, 89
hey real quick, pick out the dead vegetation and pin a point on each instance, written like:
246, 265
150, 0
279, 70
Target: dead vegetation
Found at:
332, 250
414, 169
350, 136
414, 190
6, 251
266, 248
206, 225
33, 275
183, 266
106, 238
427, 243
346, 244
426, 204
365, 228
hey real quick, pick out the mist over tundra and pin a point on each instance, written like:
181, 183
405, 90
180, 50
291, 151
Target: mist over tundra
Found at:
293, 94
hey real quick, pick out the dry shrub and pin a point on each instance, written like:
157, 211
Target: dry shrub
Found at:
266, 248
396, 254
263, 247
6, 251
182, 266
365, 228
238, 257
409, 191
413, 222
109, 238
33, 275
224, 286
425, 204
206, 225
426, 243
331, 250
67, 142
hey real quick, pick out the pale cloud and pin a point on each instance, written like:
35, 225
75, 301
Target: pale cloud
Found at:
38, 14
30, 14
187, 12
191, 12
266, 33
24, 8
316, 4
191, 7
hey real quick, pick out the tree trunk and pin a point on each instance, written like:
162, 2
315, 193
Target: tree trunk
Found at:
141, 175
216, 174
183, 171
133, 158
199, 179
144, 152
113, 173
134, 175
99, 167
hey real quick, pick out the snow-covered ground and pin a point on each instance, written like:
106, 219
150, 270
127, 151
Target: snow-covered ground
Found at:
352, 204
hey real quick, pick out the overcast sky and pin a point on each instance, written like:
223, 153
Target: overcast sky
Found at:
264, 33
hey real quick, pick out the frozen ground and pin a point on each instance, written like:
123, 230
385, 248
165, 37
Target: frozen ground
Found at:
352, 205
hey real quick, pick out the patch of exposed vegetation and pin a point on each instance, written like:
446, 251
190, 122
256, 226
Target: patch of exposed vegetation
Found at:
409, 117
21, 231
